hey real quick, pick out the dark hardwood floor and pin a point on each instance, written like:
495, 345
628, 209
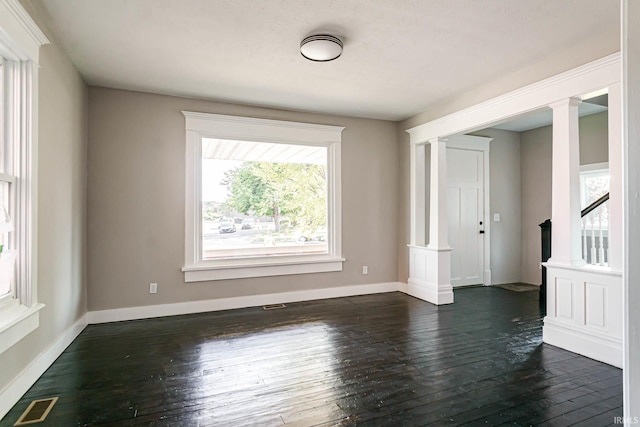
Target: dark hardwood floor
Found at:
376, 360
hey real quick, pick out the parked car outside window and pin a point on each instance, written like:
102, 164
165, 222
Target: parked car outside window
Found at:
248, 224
226, 226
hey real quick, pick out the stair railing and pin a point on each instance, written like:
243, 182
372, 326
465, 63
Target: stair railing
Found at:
595, 230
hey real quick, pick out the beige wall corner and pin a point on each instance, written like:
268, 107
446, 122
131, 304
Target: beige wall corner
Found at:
63, 107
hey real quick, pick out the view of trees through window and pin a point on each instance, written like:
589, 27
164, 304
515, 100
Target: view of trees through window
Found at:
261, 199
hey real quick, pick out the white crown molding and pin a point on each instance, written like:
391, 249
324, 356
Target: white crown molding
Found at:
27, 22
25, 35
587, 78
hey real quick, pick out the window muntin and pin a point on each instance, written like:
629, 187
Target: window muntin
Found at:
250, 140
263, 199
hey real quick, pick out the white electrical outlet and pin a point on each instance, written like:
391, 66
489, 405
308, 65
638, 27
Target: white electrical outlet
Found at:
153, 288
365, 269
496, 217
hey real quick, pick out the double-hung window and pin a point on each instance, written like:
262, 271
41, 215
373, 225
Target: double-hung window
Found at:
7, 194
20, 41
262, 197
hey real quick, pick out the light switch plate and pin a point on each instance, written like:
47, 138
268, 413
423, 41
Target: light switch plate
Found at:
496, 217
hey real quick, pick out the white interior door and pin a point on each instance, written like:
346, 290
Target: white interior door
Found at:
465, 207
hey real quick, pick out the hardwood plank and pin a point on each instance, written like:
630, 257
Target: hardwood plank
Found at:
385, 359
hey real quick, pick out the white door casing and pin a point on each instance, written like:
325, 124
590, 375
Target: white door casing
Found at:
467, 209
465, 213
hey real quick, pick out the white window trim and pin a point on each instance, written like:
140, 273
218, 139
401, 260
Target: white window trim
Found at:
202, 125
20, 41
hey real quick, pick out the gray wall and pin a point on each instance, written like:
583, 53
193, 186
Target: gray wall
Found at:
404, 200
536, 182
536, 197
62, 134
136, 202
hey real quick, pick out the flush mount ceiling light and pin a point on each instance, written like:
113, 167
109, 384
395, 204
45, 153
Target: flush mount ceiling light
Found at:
321, 47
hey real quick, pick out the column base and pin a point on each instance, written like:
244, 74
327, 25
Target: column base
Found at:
430, 275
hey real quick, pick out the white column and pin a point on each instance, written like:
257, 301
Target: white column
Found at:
615, 182
430, 266
418, 195
438, 250
438, 232
565, 188
631, 155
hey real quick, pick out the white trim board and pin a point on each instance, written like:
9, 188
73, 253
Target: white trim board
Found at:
597, 347
190, 307
14, 391
578, 81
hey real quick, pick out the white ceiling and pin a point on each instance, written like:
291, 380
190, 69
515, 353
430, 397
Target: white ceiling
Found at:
400, 56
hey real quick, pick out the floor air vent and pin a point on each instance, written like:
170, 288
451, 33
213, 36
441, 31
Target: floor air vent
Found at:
273, 306
36, 412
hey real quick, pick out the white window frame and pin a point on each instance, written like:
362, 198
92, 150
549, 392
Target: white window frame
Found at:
585, 171
203, 125
20, 41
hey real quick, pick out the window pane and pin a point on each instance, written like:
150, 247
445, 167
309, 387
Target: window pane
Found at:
7, 256
595, 184
263, 199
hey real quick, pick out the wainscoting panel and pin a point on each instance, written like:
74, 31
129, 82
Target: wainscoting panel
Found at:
584, 312
596, 305
564, 298
430, 275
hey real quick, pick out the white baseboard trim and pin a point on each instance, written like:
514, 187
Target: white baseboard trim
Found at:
14, 391
428, 293
603, 349
161, 310
403, 287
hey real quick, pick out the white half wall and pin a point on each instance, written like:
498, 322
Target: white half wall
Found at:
584, 312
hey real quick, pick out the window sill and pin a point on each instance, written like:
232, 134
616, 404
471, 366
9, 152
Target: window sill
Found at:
261, 267
16, 322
